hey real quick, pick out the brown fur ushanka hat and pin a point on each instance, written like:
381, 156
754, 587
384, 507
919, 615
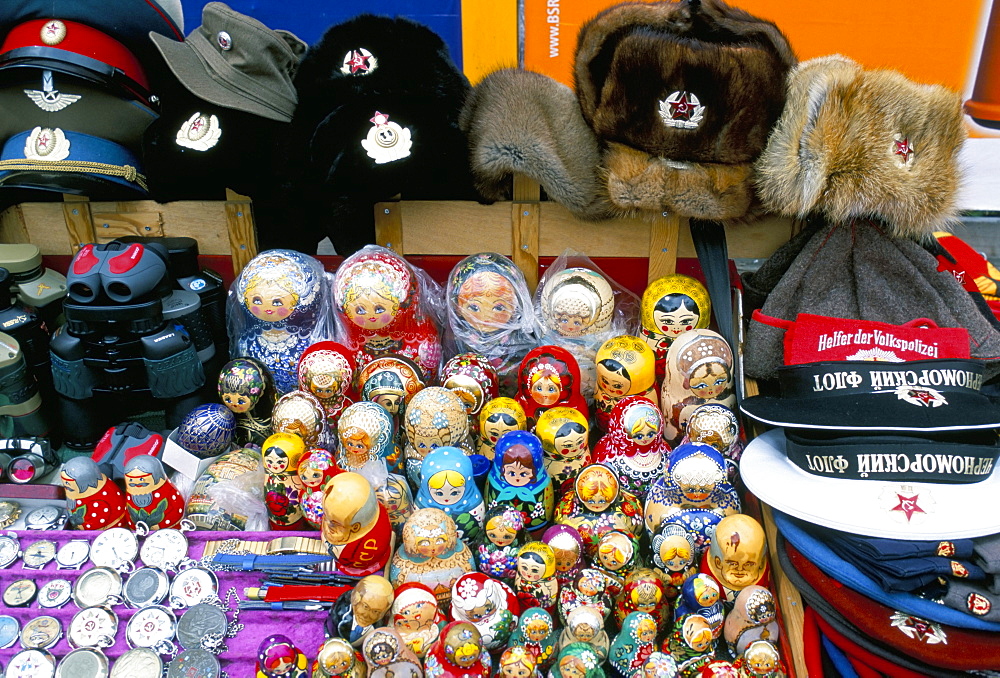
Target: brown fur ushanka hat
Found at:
685, 93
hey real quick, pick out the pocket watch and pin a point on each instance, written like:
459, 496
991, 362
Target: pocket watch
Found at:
20, 593
45, 518
196, 662
41, 633
31, 664
55, 593
165, 549
93, 627
140, 661
39, 554
10, 511
146, 586
10, 630
10, 548
73, 554
192, 586
86, 662
152, 627
97, 586
116, 548
202, 626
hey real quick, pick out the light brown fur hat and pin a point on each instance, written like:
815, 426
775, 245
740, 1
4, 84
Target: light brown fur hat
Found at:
523, 122
840, 148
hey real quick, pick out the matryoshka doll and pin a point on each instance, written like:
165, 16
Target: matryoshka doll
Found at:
517, 662
434, 418
316, 466
458, 653
670, 306
588, 589
549, 376
699, 370
359, 610
247, 389
490, 312
625, 367
496, 556
645, 591
498, 416
473, 379
278, 657
446, 483
150, 497
378, 301
96, 502
565, 436
284, 490
586, 625
702, 595
760, 660
397, 498
567, 545
617, 557
537, 633
691, 644
753, 617
535, 583
416, 617
387, 656
326, 369
365, 435
577, 660
279, 307
518, 478
337, 659
391, 381
300, 413
674, 554
633, 645
431, 553
487, 603
662, 665
597, 505
716, 425
634, 447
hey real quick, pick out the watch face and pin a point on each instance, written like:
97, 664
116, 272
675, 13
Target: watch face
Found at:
73, 554
199, 663
83, 663
193, 586
151, 626
39, 554
10, 511
9, 548
146, 586
115, 548
20, 593
93, 627
201, 623
10, 629
96, 586
164, 549
41, 633
43, 517
138, 662
31, 664
55, 593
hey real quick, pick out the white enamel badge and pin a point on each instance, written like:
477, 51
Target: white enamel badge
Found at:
359, 62
386, 141
682, 109
46, 144
200, 132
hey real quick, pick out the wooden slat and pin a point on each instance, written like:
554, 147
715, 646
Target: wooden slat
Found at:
663, 237
13, 229
524, 240
79, 223
389, 226
111, 225
788, 597
241, 231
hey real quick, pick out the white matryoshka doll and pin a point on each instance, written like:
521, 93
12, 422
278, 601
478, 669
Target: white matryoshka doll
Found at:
699, 370
434, 418
625, 367
326, 369
473, 379
365, 435
671, 306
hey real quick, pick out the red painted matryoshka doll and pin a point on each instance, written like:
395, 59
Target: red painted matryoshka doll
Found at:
97, 502
565, 436
549, 376
458, 653
625, 367
377, 297
634, 447
670, 306
699, 370
473, 379
326, 369
150, 497
518, 479
316, 467
645, 591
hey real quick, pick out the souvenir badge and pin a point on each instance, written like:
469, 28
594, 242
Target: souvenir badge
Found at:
359, 62
203, 626
387, 141
192, 586
152, 627
97, 586
978, 604
905, 504
46, 144
919, 629
194, 662
115, 548
225, 41
31, 664
49, 99
73, 554
920, 396
141, 661
10, 630
146, 586
93, 627
20, 593
85, 662
200, 132
39, 554
41, 633
903, 151
53, 32
55, 593
682, 110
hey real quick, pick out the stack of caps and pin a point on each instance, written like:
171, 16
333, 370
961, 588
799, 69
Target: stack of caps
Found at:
883, 467
76, 94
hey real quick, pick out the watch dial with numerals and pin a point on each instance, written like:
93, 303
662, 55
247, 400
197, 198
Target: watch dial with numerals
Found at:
96, 586
20, 593
140, 661
41, 633
31, 664
193, 586
93, 627
85, 662
55, 593
73, 554
9, 548
150, 626
43, 517
39, 554
114, 548
164, 549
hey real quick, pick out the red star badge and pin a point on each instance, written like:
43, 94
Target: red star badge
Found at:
52, 28
908, 505
379, 119
904, 149
682, 108
358, 62
924, 397
43, 141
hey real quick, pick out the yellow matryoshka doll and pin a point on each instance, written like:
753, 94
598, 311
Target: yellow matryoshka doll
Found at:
625, 366
282, 485
670, 306
497, 417
565, 435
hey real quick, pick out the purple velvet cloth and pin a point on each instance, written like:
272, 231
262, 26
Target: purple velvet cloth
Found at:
304, 628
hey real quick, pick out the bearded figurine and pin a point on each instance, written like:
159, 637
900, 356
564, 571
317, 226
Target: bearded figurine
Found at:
94, 501
151, 499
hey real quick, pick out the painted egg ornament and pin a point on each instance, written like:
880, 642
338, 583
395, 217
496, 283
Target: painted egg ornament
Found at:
207, 430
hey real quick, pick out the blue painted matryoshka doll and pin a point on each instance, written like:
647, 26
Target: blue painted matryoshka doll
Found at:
446, 483
279, 307
537, 633
518, 478
578, 660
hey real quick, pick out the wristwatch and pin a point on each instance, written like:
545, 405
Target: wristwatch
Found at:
55, 593
20, 593
10, 631
192, 586
140, 661
10, 548
202, 626
86, 662
93, 627
146, 586
153, 627
45, 518
165, 549
116, 548
41, 633
73, 554
39, 554
10, 511
32, 664
97, 586
196, 662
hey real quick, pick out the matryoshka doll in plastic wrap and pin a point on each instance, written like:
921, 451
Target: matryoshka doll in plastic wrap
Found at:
633, 446
645, 591
537, 633
278, 657
282, 453
536, 584
568, 546
498, 416
365, 436
300, 413
490, 312
381, 309
625, 367
247, 389
699, 370
326, 369
446, 483
488, 604
565, 436
674, 554
431, 553
633, 645
588, 589
586, 625
458, 653
473, 379
416, 618
518, 478
549, 376
597, 505
316, 467
670, 306
387, 656
496, 556
434, 418
279, 307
